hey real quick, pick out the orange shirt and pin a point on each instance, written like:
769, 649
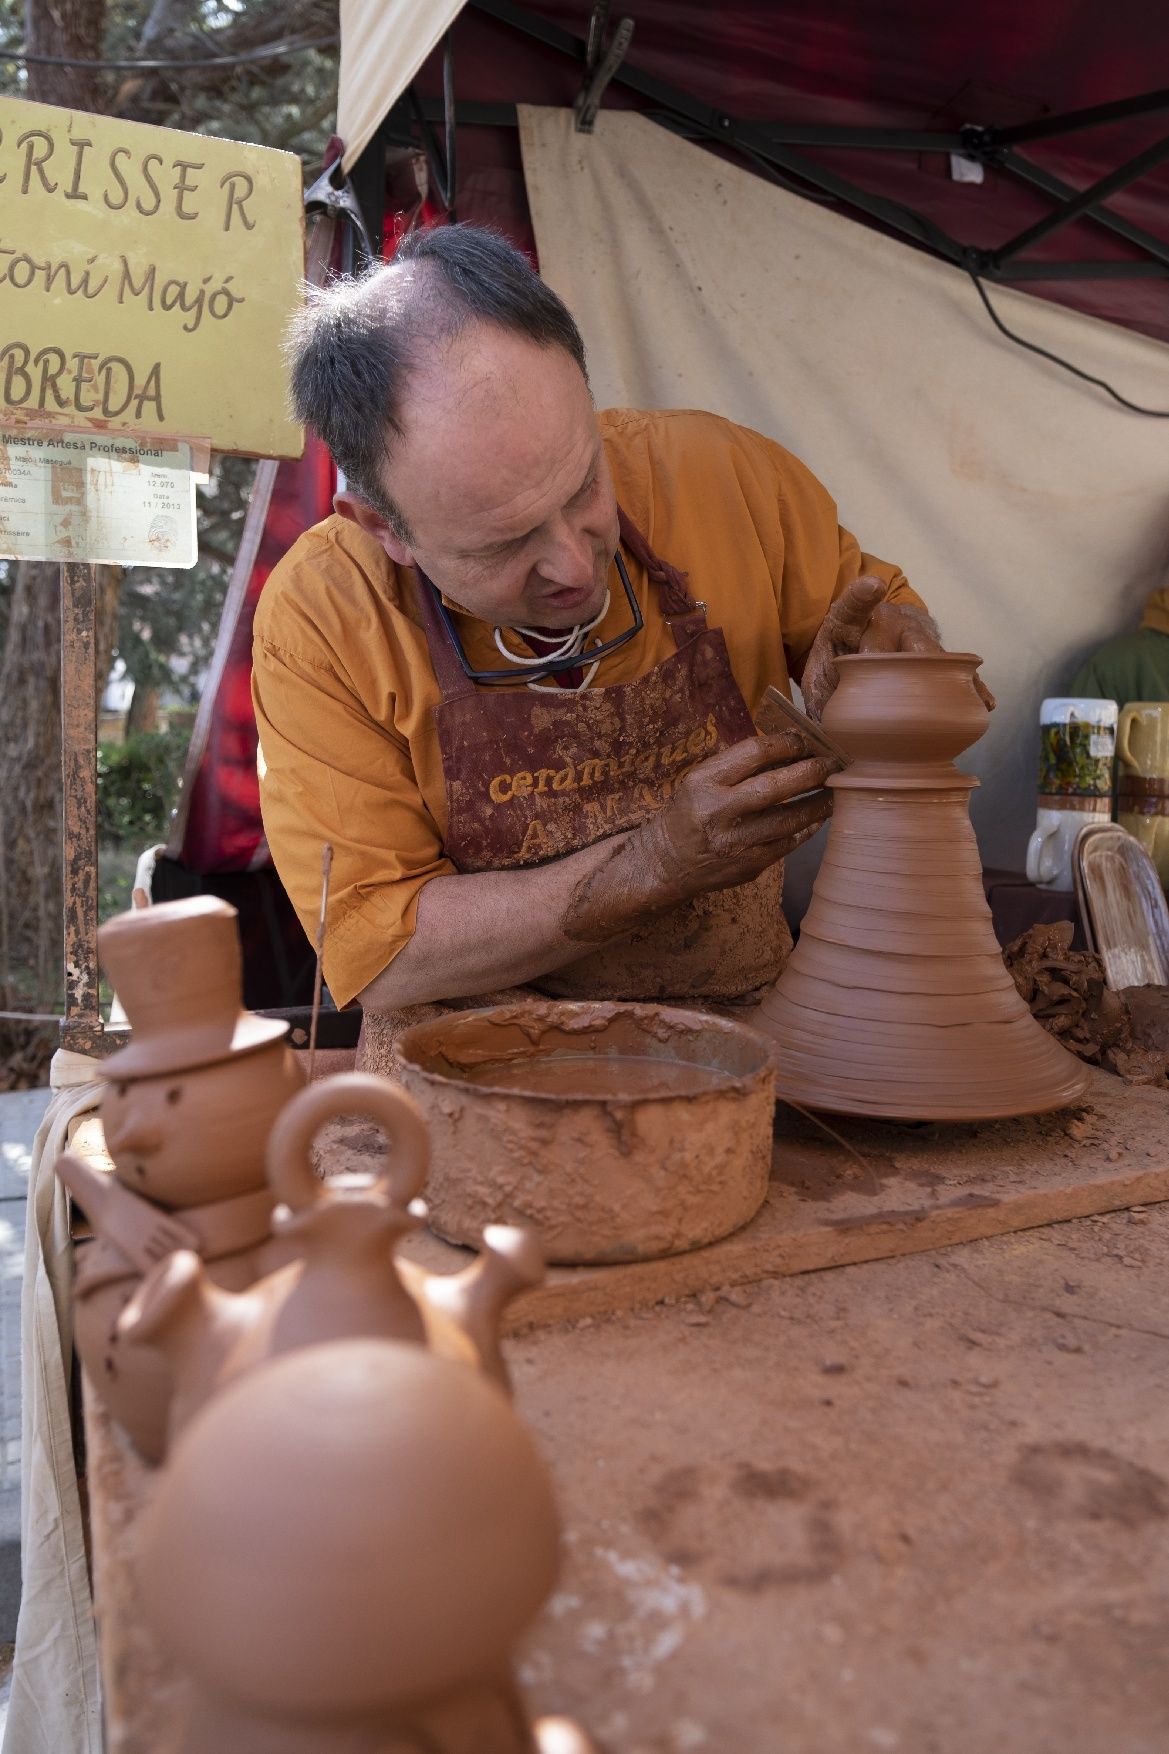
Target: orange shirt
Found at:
343, 684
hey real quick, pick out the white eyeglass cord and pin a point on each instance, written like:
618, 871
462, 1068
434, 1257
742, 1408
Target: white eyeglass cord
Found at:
571, 646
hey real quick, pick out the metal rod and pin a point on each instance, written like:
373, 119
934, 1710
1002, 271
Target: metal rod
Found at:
1085, 200
1016, 271
81, 1026
326, 868
1027, 172
448, 105
1095, 117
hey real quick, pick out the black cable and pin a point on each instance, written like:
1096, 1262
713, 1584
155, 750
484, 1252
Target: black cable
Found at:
1066, 365
269, 52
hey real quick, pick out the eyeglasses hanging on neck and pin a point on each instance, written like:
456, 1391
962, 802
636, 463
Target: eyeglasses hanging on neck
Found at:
529, 672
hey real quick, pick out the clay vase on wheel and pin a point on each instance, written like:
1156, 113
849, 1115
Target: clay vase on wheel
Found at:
895, 1001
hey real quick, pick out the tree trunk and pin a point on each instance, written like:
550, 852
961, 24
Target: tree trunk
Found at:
30, 792
143, 713
31, 888
71, 29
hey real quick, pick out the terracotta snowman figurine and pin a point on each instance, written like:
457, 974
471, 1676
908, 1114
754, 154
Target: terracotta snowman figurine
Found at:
186, 1112
344, 1281
340, 1553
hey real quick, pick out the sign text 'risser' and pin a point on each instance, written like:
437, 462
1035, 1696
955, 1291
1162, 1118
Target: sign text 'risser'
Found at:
146, 277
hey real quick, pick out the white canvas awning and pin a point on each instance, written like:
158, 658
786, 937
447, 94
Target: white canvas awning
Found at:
1030, 511
383, 44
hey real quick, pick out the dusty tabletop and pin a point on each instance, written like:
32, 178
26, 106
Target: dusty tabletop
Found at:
917, 1505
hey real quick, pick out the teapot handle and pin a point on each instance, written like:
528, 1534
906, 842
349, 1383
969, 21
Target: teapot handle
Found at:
290, 1166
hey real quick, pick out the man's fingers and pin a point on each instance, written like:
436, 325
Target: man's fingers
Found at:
765, 791
731, 766
776, 827
849, 616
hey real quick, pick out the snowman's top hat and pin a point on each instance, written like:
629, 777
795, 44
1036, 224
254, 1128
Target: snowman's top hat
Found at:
177, 970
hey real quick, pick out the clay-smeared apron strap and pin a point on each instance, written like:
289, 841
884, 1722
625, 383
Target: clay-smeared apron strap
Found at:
452, 678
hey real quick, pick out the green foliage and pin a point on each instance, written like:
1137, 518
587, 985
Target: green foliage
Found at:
137, 787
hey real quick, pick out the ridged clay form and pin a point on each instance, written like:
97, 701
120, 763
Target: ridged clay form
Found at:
895, 1001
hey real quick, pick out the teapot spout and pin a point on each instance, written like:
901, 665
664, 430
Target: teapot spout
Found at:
464, 1311
178, 1311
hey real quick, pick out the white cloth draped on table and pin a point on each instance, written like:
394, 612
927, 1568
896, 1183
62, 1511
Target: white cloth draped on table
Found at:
55, 1705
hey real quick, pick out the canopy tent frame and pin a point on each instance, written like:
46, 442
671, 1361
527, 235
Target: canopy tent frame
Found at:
770, 147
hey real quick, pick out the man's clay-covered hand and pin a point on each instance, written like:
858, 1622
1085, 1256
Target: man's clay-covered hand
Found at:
141, 1230
861, 620
732, 816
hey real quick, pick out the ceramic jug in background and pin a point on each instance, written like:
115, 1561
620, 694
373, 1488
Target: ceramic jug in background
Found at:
1142, 753
1077, 742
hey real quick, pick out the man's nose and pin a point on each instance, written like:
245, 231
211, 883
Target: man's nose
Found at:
569, 559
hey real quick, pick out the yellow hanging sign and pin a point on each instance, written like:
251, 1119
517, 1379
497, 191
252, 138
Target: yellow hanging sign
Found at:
146, 278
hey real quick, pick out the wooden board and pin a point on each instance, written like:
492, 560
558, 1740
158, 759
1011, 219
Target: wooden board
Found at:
885, 1189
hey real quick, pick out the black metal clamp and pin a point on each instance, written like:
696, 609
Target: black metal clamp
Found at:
337, 201
601, 64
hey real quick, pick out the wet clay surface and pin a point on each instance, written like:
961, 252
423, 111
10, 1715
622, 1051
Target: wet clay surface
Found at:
614, 1075
918, 1505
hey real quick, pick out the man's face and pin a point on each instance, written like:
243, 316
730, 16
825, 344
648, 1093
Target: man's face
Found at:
503, 482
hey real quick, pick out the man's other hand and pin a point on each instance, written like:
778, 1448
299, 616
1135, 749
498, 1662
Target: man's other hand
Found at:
861, 620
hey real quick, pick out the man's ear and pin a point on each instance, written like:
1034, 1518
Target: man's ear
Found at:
360, 512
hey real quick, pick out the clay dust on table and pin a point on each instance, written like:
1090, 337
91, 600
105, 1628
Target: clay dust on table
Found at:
919, 1505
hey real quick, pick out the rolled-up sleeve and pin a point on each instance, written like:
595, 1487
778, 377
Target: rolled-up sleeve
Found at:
363, 799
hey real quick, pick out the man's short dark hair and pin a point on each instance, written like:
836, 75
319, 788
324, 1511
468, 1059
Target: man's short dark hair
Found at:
355, 342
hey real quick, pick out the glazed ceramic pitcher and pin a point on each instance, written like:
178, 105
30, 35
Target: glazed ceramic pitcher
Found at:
1077, 741
1142, 753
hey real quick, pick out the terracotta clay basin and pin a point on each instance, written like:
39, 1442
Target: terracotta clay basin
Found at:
621, 1132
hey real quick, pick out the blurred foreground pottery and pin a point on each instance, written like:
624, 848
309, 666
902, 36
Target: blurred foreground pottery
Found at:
895, 1001
186, 1111
343, 1282
340, 1554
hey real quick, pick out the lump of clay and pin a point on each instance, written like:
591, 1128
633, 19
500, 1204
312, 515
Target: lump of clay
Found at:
186, 1112
340, 1554
895, 1001
1066, 990
344, 1281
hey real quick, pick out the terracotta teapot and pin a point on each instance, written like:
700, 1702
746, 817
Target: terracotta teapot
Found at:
344, 1281
186, 1112
341, 1553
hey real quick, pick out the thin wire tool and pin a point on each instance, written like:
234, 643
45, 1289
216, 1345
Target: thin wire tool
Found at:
326, 868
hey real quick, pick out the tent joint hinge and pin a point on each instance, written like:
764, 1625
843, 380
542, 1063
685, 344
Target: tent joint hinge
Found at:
601, 64
979, 143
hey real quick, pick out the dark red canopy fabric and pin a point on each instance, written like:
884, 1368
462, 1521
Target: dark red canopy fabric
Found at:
901, 64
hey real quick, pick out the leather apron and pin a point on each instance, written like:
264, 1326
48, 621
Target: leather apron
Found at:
532, 776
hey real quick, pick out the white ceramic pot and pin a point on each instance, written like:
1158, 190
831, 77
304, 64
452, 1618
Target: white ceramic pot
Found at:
1052, 846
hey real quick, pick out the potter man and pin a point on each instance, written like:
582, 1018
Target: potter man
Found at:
512, 679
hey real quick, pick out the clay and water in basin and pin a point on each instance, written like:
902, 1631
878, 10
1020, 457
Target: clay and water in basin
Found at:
622, 1131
